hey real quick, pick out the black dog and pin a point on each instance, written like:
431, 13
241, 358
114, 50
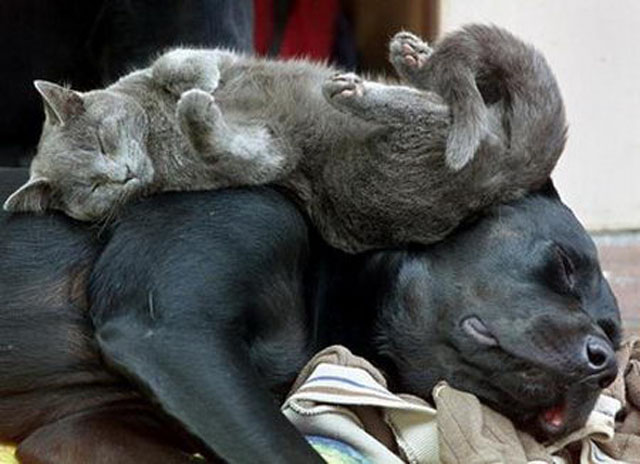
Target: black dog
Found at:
209, 304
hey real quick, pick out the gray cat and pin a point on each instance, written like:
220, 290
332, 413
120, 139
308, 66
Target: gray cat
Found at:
374, 164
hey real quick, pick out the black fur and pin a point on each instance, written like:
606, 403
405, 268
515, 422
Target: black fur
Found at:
207, 311
202, 307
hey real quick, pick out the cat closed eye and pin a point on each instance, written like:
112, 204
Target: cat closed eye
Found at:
101, 145
106, 140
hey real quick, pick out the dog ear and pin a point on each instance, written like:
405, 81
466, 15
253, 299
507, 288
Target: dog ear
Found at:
60, 103
549, 190
35, 195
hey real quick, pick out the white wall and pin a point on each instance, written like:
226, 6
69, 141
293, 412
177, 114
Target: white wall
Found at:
594, 48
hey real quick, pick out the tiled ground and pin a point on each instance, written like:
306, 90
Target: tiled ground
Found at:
620, 258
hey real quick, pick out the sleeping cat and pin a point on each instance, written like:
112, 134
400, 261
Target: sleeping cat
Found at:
481, 121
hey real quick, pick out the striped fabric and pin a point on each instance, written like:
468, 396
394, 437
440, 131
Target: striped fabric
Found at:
334, 384
342, 397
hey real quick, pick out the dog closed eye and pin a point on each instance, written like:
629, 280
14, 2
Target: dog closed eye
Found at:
566, 269
559, 270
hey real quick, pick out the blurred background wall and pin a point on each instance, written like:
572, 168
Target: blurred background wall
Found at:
593, 48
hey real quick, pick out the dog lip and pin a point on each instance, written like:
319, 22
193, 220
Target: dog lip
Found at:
553, 421
600, 380
476, 329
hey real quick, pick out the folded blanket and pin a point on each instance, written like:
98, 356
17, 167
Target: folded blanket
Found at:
344, 398
625, 443
342, 404
335, 451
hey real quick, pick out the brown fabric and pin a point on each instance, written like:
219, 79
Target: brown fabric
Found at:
373, 422
625, 445
341, 356
469, 432
342, 396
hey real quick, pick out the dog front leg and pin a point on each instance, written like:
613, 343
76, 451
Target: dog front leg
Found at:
204, 378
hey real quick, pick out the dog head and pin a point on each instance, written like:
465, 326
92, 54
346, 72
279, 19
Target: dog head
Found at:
514, 309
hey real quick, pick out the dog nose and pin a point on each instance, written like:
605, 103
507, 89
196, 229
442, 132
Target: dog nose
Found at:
601, 361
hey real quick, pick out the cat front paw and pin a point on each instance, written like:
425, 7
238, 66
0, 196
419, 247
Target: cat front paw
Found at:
408, 53
181, 70
198, 116
197, 105
343, 86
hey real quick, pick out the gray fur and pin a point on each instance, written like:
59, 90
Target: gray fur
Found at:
481, 121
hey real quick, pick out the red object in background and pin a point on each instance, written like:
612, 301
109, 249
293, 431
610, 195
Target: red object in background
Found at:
262, 25
309, 32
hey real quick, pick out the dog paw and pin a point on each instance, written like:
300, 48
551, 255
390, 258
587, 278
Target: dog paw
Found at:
408, 52
343, 87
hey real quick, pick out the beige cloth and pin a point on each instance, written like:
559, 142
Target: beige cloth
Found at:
472, 433
342, 396
625, 444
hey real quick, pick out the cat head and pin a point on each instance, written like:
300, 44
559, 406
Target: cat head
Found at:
91, 154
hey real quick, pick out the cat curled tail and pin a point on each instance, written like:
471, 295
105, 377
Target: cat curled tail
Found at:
478, 120
475, 68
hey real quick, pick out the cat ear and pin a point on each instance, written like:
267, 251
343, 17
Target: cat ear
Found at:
60, 103
35, 196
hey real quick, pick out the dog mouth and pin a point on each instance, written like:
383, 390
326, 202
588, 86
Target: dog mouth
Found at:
548, 422
538, 402
553, 421
545, 406
544, 402
546, 416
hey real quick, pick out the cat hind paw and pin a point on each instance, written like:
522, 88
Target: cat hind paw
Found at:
408, 52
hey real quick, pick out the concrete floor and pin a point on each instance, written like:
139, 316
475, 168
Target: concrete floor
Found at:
620, 259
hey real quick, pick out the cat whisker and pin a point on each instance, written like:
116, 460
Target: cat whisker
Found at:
105, 221
112, 212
